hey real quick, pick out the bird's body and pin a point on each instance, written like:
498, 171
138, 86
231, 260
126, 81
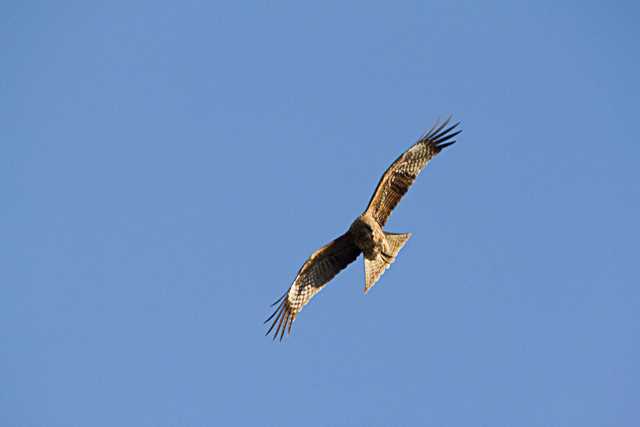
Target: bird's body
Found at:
366, 234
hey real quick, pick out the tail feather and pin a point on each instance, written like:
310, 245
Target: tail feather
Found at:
374, 268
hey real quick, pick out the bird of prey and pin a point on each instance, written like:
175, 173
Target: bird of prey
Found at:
366, 234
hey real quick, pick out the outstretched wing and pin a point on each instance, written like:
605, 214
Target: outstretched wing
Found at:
319, 269
400, 175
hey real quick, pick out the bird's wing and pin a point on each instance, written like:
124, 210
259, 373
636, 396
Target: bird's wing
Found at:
400, 175
319, 269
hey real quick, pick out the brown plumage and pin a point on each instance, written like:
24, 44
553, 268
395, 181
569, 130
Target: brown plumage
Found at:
366, 234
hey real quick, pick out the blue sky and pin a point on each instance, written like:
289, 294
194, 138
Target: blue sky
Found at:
166, 167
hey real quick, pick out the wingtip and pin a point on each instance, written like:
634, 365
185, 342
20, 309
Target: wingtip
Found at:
445, 145
439, 132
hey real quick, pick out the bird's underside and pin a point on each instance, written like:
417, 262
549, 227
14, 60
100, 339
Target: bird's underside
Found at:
366, 234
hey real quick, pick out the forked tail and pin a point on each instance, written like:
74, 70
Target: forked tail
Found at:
374, 268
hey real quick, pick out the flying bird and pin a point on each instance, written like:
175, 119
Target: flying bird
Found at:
366, 234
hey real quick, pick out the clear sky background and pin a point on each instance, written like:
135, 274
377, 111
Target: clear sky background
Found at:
166, 167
